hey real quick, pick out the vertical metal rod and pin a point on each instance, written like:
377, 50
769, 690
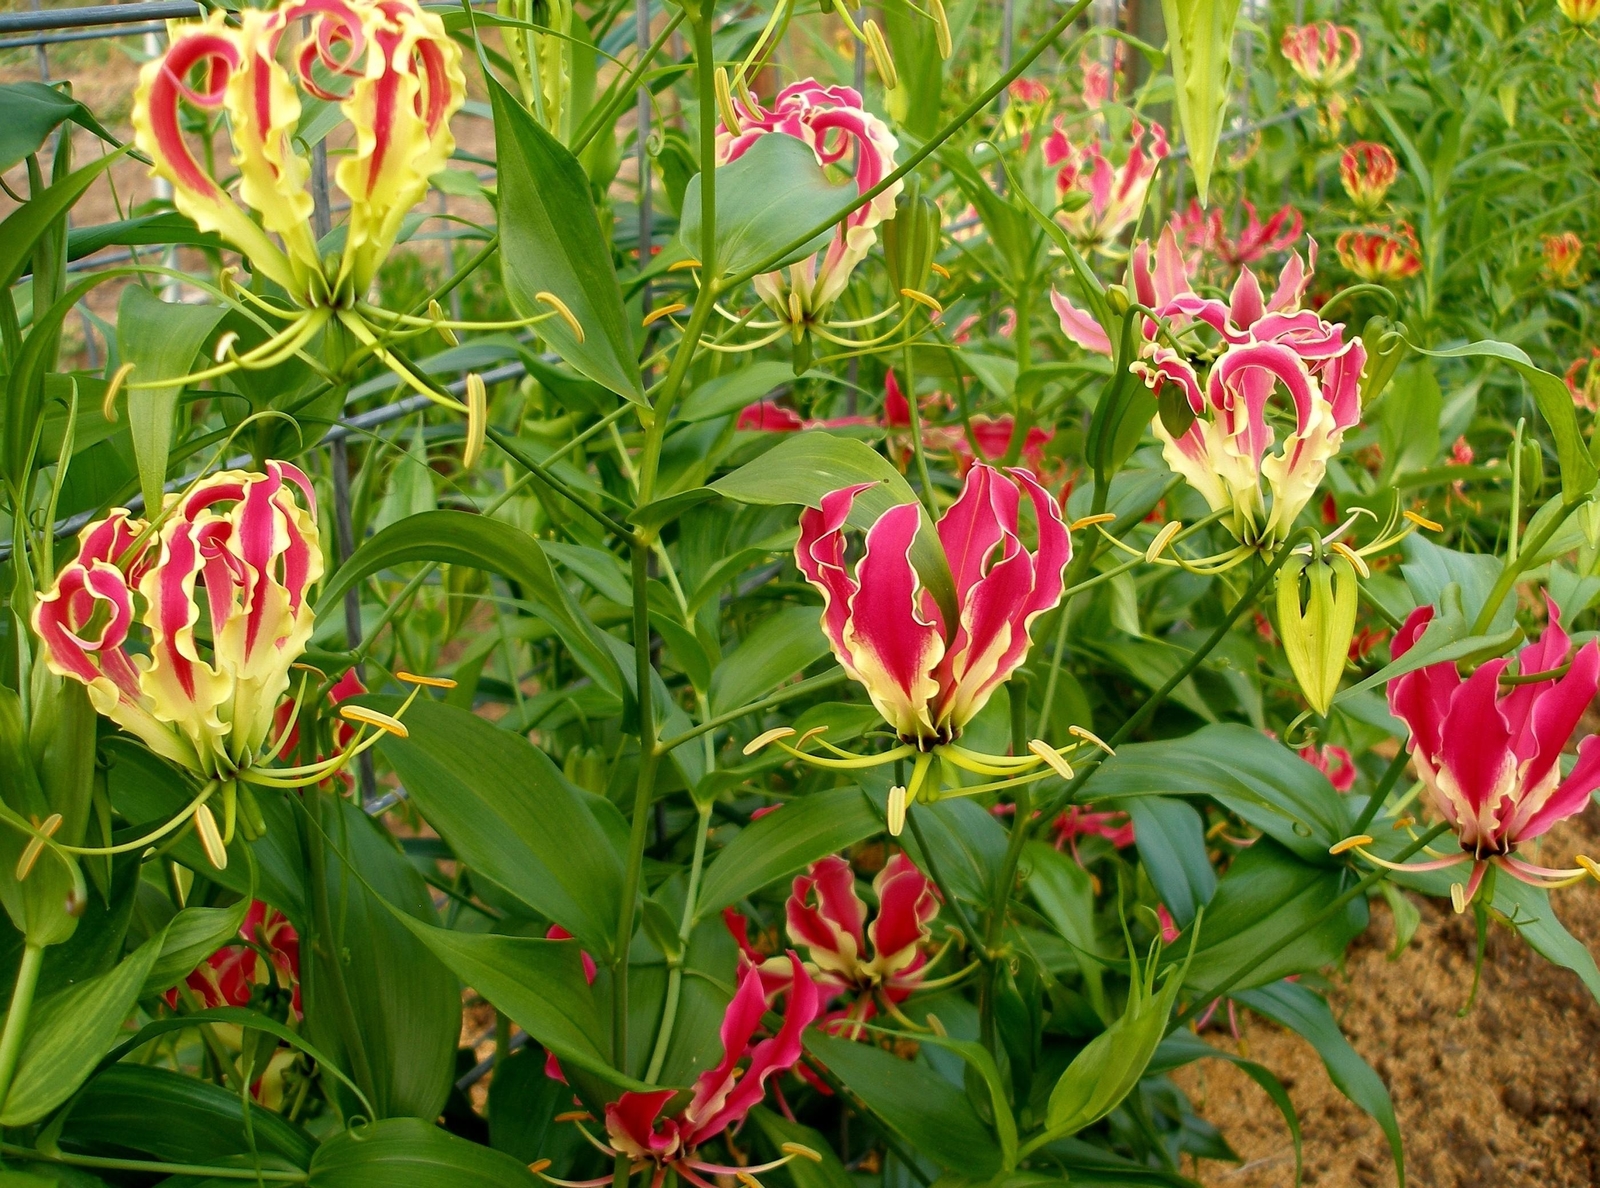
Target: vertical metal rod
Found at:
641, 17
1008, 18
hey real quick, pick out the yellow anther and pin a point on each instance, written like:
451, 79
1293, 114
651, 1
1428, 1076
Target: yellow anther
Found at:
882, 60
664, 311
371, 717
538, 1165
431, 682
922, 298
1091, 521
800, 1149
1054, 761
561, 308
1089, 736
1357, 562
730, 115
1350, 843
941, 29
1458, 898
935, 1024
1163, 538
682, 265
1405, 822
114, 389
809, 735
940, 270
436, 313
477, 420
224, 345
1589, 865
768, 736
897, 810
210, 837
574, 1116
1423, 521
747, 1180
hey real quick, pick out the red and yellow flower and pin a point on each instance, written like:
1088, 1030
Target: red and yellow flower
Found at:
1111, 197
1323, 55
1380, 254
1562, 255
1367, 170
1583, 380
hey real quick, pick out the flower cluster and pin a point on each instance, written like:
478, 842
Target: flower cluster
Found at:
831, 121
1108, 197
1262, 345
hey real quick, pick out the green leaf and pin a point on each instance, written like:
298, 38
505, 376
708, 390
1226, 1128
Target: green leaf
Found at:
767, 198
1265, 904
781, 645
828, 1172
69, 1032
167, 228
550, 242
1185, 1047
176, 1118
22, 228
30, 111
911, 1099
783, 842
1529, 910
523, 1104
804, 467
1409, 428
967, 842
1171, 839
189, 938
1244, 771
1200, 48
1305, 1013
979, 1059
1578, 472
511, 817
1447, 637
1065, 894
411, 1153
161, 340
917, 101
729, 393
459, 538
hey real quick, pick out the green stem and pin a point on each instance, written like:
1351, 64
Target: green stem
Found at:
622, 91
540, 472
16, 1029
803, 688
1513, 569
1381, 792
945, 892
917, 451
669, 1013
1006, 875
163, 1169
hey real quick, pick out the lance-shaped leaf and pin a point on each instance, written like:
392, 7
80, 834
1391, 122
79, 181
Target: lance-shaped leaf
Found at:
1200, 47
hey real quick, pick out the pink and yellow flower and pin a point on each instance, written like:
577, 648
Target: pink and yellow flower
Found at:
1562, 255
1265, 346
1380, 254
831, 121
1490, 757
1334, 762
1367, 170
1114, 194
1204, 236
828, 918
1583, 379
1324, 55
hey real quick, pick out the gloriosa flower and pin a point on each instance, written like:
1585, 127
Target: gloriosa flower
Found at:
1583, 379
1367, 170
1115, 195
1081, 820
1490, 759
1262, 346
831, 121
1323, 54
1379, 254
826, 915
723, 1094
1580, 12
1204, 236
229, 977
929, 668
1334, 762
1562, 255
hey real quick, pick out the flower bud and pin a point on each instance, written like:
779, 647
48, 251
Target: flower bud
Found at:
910, 241
1385, 346
1317, 638
1117, 299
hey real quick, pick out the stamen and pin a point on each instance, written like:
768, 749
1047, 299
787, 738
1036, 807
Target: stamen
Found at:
935, 1025
941, 30
35, 846
1423, 521
1163, 539
436, 315
210, 837
922, 298
748, 1180
561, 308
1357, 562
769, 736
1458, 897
1091, 737
1350, 843
811, 734
939, 269
575, 1116
538, 1165
371, 717
897, 810
682, 265
664, 311
1589, 865
881, 58
1091, 521
432, 682
114, 389
1053, 759
224, 345
730, 115
800, 1149
477, 420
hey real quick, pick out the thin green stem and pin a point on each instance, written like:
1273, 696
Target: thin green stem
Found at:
945, 892
622, 91
16, 1029
1513, 569
1381, 793
194, 1170
545, 476
1006, 876
669, 1012
826, 680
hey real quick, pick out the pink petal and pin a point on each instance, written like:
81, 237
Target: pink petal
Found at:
1079, 326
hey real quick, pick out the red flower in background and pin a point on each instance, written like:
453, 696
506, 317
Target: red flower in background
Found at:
1367, 170
1381, 253
1583, 380
1334, 762
1080, 820
230, 975
552, 1066
1562, 255
1202, 234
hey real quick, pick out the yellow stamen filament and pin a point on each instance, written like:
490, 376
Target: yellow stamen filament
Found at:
224, 345
664, 311
371, 717
939, 269
1423, 521
477, 420
35, 846
1091, 521
922, 298
897, 810
1163, 539
113, 390
431, 682
768, 736
941, 30
1350, 843
436, 316
1089, 736
882, 60
1357, 562
683, 265
1048, 753
561, 308
210, 837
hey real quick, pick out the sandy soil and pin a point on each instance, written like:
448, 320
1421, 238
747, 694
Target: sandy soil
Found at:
1506, 1097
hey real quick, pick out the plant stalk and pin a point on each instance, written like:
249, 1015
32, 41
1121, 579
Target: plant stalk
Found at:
16, 1029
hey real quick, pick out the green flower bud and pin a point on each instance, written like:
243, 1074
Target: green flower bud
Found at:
1316, 635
